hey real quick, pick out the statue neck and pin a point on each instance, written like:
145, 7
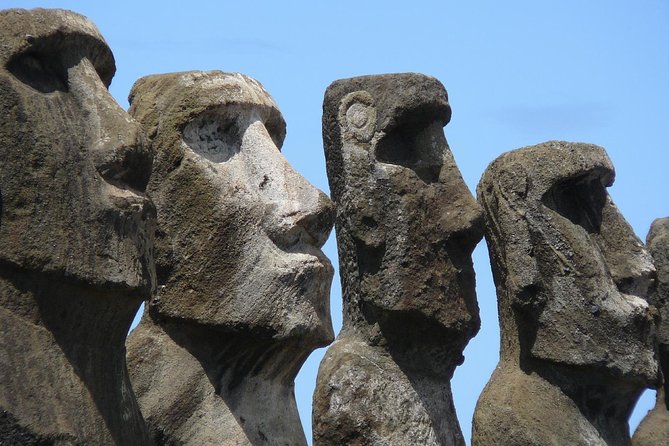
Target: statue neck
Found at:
74, 336
663, 391
419, 344
246, 385
232, 357
606, 402
78, 316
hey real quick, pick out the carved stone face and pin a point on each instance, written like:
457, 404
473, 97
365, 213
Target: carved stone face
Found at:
239, 230
73, 166
570, 271
407, 224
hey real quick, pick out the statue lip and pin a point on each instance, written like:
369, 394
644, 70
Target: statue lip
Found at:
127, 200
298, 241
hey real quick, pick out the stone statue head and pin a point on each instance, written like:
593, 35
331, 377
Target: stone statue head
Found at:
571, 275
239, 231
73, 167
406, 222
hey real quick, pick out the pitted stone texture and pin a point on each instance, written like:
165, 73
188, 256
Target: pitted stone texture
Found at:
654, 429
572, 278
243, 287
406, 227
75, 234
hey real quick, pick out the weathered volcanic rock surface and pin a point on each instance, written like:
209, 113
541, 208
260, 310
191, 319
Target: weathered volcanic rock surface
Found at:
75, 235
243, 287
654, 429
406, 226
572, 280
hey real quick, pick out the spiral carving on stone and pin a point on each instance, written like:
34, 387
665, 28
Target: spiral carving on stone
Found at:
357, 116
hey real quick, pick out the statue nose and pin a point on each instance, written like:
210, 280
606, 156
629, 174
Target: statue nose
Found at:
120, 152
124, 158
295, 210
305, 216
629, 263
316, 221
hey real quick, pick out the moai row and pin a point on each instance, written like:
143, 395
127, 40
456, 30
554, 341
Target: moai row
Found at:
572, 281
193, 209
243, 293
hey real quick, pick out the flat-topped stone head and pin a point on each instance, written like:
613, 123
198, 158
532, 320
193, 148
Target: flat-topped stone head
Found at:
239, 231
571, 275
74, 168
406, 228
406, 222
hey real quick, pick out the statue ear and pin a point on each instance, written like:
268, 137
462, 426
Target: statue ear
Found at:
507, 206
357, 117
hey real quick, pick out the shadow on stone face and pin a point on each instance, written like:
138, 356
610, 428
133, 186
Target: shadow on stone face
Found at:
581, 200
44, 67
13, 433
403, 146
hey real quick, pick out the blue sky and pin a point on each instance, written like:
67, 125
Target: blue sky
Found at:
517, 73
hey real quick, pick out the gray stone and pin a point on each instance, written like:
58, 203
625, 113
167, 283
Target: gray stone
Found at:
75, 235
243, 287
406, 227
576, 331
654, 429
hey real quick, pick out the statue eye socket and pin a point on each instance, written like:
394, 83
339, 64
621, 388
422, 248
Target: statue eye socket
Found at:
128, 167
405, 145
215, 137
43, 72
581, 200
277, 131
397, 147
44, 65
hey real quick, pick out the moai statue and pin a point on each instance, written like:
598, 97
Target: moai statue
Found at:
406, 227
576, 331
75, 236
654, 429
243, 287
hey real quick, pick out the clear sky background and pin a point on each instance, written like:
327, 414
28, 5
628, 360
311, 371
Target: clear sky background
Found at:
517, 73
